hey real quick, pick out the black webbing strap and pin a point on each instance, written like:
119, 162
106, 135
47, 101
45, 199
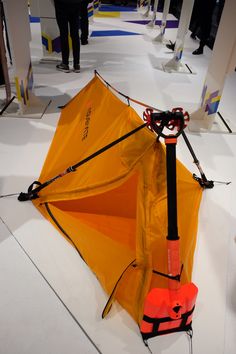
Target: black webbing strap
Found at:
33, 193
157, 321
172, 277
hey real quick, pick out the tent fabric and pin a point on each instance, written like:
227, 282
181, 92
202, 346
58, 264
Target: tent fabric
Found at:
113, 209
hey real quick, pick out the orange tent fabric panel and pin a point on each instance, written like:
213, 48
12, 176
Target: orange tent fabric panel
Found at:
105, 118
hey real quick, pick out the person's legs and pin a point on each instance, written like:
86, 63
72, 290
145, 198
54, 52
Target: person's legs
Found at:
84, 23
194, 23
206, 22
74, 32
199, 50
206, 29
194, 30
62, 21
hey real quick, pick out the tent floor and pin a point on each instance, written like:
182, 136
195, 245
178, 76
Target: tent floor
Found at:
50, 301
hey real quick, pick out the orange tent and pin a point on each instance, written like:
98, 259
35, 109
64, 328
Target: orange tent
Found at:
113, 208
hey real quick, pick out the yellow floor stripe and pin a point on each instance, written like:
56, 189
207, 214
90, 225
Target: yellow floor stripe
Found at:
107, 14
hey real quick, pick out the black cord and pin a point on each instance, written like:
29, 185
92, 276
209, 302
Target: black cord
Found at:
190, 336
9, 195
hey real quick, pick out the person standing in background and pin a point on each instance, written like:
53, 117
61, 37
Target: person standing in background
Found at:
203, 11
84, 22
67, 16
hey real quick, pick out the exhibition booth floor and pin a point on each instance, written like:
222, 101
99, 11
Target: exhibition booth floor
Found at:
50, 300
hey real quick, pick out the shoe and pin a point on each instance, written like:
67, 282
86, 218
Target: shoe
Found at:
63, 67
84, 41
198, 51
171, 46
76, 68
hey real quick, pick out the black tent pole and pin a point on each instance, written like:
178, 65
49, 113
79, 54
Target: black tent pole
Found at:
171, 188
173, 245
203, 181
171, 120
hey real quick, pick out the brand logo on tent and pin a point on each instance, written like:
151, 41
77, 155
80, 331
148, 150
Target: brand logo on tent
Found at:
86, 124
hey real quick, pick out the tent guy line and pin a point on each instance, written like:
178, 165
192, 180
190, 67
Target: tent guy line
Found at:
203, 181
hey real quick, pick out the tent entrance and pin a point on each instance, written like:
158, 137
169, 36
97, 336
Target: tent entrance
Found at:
113, 213
102, 227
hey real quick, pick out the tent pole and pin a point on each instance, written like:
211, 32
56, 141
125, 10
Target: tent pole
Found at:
204, 182
173, 246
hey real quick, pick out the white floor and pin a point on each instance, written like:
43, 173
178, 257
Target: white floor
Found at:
50, 302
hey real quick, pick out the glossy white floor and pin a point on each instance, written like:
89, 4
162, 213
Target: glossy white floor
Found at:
50, 302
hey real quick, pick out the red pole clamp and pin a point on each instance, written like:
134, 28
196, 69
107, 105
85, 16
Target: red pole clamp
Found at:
147, 117
185, 114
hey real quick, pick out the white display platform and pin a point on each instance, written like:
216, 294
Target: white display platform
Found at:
222, 63
166, 8
175, 65
151, 24
220, 124
145, 8
182, 68
33, 319
29, 105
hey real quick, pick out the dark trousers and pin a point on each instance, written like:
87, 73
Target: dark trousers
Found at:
84, 23
2, 79
67, 15
202, 19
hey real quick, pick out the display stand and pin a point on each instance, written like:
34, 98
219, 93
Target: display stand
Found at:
4, 66
91, 10
141, 4
96, 6
148, 5
49, 29
29, 105
34, 8
175, 65
151, 24
223, 62
160, 37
